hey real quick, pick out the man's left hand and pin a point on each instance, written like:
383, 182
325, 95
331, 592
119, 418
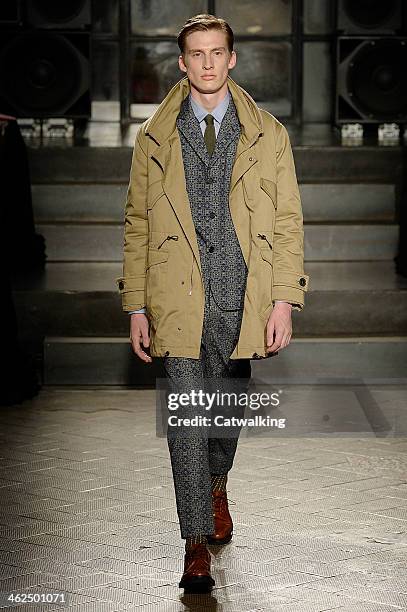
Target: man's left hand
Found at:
279, 327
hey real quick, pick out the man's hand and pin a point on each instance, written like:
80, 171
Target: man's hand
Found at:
279, 327
139, 335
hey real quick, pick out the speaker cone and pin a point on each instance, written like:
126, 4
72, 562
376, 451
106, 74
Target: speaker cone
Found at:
58, 12
42, 73
376, 79
57, 15
370, 14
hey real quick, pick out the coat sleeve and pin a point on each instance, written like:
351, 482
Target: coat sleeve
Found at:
289, 280
135, 241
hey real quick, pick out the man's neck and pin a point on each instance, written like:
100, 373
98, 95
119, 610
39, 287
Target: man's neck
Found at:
211, 100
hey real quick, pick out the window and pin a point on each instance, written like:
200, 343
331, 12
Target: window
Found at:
135, 53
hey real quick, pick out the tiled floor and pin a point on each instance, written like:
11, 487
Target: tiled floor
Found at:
88, 509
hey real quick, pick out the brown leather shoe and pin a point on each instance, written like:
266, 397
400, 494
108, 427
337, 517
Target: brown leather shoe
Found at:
197, 570
223, 520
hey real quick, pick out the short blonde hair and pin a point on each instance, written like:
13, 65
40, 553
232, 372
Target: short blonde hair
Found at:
203, 23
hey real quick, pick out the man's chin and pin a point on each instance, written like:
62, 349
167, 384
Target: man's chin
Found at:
208, 87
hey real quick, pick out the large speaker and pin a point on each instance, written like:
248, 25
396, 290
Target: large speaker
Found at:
371, 79
369, 16
45, 58
45, 74
58, 14
9, 12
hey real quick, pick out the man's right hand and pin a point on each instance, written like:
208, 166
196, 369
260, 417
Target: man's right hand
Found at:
139, 335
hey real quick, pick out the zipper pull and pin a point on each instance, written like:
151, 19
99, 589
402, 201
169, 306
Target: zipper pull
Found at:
264, 237
175, 237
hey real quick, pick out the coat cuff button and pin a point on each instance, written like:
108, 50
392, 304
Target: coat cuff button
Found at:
121, 285
166, 353
302, 282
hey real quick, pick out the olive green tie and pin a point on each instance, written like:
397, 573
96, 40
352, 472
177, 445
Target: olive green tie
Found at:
210, 138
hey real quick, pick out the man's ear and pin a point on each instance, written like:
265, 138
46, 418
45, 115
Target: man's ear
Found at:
181, 64
232, 60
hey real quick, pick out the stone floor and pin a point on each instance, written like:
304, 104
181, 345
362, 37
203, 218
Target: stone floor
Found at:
88, 510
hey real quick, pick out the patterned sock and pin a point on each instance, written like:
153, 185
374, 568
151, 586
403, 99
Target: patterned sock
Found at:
195, 539
219, 482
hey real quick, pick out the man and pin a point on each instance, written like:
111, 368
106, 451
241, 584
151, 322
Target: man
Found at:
213, 259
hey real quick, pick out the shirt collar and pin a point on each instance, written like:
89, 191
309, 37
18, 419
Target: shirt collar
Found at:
218, 112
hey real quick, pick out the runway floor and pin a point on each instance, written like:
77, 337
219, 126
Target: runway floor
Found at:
88, 510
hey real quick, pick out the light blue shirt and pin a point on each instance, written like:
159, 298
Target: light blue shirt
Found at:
200, 113
218, 112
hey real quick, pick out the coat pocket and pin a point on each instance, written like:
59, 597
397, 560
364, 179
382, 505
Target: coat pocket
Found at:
270, 187
156, 256
154, 192
156, 281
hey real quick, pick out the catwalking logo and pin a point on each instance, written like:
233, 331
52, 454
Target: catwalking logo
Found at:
222, 421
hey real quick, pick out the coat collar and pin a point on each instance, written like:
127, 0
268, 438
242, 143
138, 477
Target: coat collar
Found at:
162, 123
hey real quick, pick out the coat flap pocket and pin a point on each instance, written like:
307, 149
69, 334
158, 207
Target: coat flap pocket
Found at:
130, 283
267, 255
270, 188
288, 278
263, 239
154, 193
156, 256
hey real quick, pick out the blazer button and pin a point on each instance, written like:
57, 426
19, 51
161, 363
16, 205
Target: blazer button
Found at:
121, 285
302, 282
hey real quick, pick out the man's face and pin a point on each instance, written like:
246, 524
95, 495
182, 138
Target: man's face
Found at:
207, 60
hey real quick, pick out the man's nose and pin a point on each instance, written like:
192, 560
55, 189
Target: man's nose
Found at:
207, 63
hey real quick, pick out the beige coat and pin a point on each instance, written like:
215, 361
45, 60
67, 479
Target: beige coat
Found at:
161, 265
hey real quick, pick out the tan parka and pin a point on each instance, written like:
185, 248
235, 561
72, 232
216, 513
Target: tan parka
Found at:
161, 263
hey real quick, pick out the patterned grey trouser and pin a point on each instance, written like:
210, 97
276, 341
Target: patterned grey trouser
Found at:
195, 456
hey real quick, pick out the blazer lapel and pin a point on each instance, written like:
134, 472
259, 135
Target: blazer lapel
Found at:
188, 124
228, 128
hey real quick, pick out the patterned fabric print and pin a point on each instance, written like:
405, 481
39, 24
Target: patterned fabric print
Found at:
196, 539
195, 456
219, 482
208, 182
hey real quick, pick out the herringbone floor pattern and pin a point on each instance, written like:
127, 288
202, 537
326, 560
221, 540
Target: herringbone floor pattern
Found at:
88, 509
